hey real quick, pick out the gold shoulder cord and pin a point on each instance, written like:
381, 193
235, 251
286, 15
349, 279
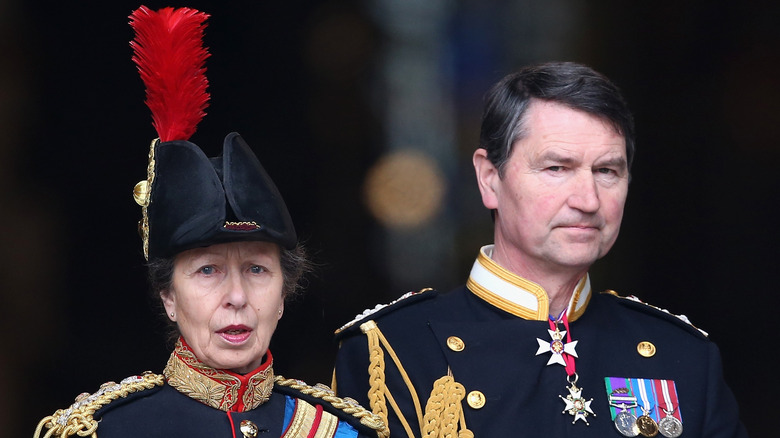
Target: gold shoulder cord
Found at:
78, 418
379, 391
443, 409
346, 404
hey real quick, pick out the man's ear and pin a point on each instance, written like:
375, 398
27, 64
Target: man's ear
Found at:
487, 178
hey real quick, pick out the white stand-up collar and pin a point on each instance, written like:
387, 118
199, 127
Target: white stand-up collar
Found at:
517, 295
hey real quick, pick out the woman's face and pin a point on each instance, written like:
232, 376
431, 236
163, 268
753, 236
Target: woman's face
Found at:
226, 300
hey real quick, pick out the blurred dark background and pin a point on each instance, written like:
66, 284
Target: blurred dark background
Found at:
333, 95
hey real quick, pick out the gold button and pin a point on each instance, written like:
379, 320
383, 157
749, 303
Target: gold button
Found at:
476, 399
455, 343
646, 349
248, 428
141, 193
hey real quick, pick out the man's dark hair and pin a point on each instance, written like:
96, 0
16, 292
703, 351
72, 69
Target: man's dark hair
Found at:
574, 85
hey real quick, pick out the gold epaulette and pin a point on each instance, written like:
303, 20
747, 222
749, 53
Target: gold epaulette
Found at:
78, 418
346, 404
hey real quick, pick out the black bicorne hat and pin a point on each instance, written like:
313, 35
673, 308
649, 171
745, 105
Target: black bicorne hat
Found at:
189, 200
197, 201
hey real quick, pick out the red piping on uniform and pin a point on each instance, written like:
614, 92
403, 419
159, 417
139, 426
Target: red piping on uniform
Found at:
316, 424
232, 426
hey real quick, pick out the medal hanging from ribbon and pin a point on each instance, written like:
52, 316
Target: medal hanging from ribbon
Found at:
564, 353
623, 406
636, 406
646, 423
671, 425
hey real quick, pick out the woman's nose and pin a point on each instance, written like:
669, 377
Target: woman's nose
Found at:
236, 294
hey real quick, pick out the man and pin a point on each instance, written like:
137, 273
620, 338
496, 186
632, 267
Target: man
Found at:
526, 347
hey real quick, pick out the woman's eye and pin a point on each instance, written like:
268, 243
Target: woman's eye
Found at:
206, 270
256, 269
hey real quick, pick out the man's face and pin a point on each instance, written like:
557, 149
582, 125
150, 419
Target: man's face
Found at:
560, 202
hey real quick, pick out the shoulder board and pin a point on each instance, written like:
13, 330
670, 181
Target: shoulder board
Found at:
636, 303
345, 408
382, 309
78, 418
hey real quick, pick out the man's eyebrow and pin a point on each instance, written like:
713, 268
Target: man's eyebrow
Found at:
619, 162
556, 157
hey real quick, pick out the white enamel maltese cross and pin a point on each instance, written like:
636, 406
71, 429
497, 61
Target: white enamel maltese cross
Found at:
557, 347
576, 405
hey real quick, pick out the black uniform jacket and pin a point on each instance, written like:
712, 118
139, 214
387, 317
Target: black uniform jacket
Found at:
511, 391
165, 412
192, 400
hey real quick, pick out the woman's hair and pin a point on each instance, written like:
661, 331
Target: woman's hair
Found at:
294, 262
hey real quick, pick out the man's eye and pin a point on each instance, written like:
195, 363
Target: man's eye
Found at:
555, 168
607, 171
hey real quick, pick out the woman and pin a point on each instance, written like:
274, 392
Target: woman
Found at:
223, 256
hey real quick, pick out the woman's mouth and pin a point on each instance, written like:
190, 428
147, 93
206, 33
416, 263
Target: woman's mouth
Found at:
235, 334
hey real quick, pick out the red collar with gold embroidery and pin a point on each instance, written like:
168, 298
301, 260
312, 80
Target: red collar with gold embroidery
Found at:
220, 389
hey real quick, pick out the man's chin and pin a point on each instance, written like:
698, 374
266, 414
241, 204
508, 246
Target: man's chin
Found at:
578, 259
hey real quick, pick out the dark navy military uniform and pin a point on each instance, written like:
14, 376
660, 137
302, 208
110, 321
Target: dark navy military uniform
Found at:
511, 391
192, 400
165, 412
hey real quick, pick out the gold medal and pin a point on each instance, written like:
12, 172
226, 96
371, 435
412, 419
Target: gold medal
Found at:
647, 426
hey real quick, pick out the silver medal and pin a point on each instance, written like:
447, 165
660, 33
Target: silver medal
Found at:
625, 423
670, 427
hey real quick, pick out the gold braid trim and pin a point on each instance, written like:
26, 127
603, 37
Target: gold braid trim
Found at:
346, 404
444, 410
78, 418
376, 372
142, 192
379, 391
217, 388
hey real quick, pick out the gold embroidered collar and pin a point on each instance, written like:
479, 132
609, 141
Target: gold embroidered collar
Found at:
220, 389
517, 295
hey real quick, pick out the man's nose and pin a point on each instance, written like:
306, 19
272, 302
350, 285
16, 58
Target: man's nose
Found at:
584, 194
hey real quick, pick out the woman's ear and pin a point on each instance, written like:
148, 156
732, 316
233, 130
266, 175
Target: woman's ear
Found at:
169, 302
487, 178
281, 311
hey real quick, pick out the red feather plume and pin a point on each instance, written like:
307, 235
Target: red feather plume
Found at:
168, 50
